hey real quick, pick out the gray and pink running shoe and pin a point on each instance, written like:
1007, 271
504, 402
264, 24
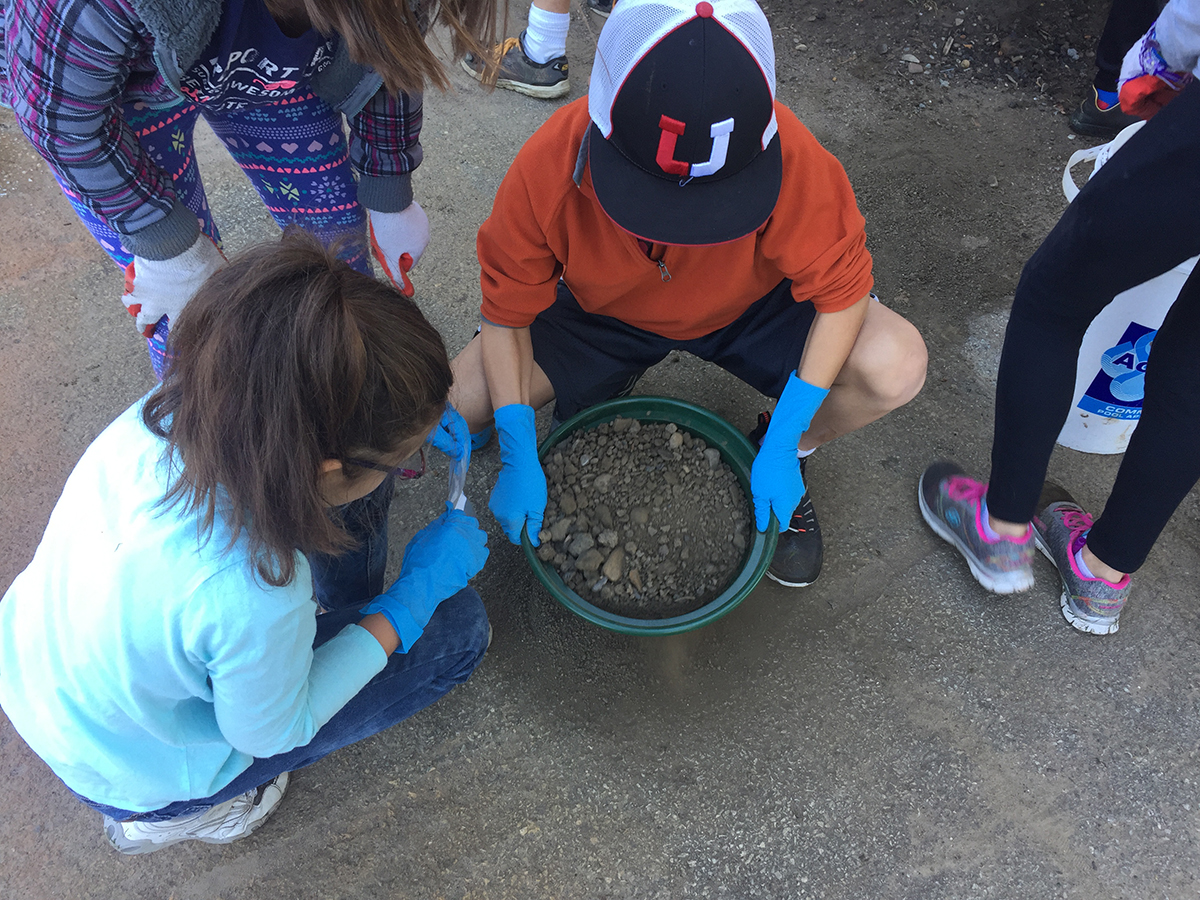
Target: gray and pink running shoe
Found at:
1092, 605
952, 504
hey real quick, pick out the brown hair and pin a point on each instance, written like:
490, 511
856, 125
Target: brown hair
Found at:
285, 358
389, 35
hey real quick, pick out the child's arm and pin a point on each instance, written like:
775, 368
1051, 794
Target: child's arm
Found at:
507, 363
518, 500
829, 342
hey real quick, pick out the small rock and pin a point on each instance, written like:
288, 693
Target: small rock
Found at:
567, 503
604, 516
713, 457
739, 540
909, 58
609, 539
671, 428
635, 578
675, 441
613, 566
546, 552
621, 425
635, 427
639, 515
560, 529
599, 584
630, 547
589, 560
915, 68
603, 482
579, 544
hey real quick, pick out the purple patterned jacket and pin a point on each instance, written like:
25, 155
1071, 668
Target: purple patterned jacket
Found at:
67, 66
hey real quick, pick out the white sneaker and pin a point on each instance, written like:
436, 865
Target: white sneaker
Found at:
220, 824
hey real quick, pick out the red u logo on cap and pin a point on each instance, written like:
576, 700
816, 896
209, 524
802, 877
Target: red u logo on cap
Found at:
672, 128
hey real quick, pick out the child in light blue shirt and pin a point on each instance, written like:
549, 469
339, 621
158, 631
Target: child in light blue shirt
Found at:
162, 652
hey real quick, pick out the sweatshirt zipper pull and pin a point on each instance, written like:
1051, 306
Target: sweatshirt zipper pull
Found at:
663, 272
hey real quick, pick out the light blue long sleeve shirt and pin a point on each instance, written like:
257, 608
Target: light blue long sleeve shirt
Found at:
147, 666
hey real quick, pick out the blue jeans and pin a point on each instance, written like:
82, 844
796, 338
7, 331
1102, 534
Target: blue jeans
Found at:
355, 578
445, 655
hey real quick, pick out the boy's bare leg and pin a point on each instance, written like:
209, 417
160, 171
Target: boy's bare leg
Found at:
469, 393
885, 369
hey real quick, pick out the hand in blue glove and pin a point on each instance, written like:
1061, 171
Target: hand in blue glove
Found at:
775, 478
452, 436
438, 562
519, 498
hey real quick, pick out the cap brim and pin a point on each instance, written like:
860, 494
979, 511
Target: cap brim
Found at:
700, 212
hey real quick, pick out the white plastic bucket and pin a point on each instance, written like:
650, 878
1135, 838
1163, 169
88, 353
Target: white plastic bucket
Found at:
1110, 376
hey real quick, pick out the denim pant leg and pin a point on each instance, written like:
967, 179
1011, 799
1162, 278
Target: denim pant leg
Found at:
445, 655
354, 578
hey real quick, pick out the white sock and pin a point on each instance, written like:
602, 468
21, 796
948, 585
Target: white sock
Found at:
1083, 568
988, 532
546, 35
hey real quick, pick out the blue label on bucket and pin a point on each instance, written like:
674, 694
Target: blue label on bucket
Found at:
1117, 390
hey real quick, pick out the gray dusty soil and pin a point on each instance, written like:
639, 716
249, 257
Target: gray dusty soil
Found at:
892, 731
644, 519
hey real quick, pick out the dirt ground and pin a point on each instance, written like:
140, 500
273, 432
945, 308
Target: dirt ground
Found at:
890, 732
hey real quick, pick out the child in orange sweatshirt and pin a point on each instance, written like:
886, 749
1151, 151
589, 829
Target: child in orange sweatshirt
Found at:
679, 206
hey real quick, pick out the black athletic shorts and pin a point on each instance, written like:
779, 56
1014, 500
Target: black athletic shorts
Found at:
590, 358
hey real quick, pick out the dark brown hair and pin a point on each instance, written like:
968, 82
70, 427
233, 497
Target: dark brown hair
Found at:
389, 35
285, 358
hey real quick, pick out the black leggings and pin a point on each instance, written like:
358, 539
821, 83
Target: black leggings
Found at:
1127, 21
1138, 217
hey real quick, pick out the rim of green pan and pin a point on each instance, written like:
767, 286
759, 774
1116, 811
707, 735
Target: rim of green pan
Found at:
735, 450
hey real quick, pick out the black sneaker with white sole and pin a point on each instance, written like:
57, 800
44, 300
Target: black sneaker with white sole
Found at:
515, 71
800, 550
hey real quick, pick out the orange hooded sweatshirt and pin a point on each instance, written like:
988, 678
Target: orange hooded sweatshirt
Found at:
546, 223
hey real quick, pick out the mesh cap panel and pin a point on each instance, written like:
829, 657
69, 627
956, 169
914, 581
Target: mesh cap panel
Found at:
635, 26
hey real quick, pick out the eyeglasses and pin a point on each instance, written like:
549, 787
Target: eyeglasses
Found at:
399, 471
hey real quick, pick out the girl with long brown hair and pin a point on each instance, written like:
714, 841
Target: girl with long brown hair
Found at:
162, 652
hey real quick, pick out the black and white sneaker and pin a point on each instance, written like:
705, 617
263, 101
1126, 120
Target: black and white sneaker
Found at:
515, 71
799, 551
600, 7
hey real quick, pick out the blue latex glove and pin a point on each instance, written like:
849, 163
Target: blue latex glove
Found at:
452, 436
438, 562
519, 497
775, 478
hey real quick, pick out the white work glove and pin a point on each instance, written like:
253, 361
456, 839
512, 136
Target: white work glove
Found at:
398, 239
1148, 82
162, 287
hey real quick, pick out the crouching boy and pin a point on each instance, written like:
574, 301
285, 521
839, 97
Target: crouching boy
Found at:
679, 206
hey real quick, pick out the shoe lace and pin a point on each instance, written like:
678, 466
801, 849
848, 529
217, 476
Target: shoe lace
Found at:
960, 487
504, 47
1076, 521
491, 69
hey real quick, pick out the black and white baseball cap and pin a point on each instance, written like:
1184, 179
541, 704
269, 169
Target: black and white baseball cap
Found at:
683, 147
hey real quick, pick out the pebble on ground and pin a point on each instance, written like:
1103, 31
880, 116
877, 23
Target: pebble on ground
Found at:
644, 519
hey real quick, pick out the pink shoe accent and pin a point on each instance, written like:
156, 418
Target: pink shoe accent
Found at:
962, 488
1079, 523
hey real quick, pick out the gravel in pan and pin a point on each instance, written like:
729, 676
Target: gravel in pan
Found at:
644, 520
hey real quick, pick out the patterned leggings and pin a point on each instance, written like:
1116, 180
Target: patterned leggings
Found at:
293, 152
